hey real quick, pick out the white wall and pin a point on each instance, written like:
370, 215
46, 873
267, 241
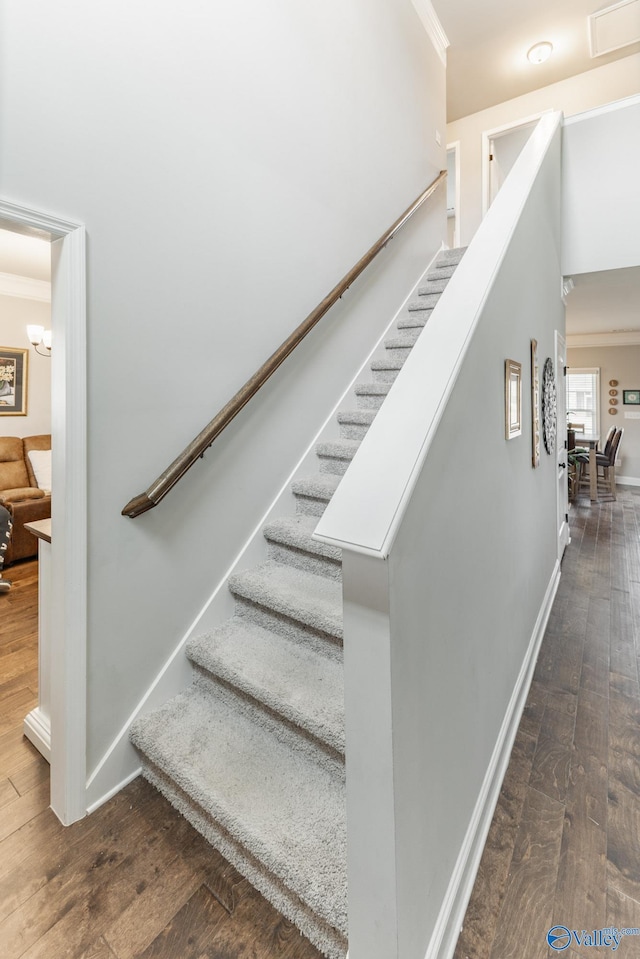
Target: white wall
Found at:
600, 195
613, 81
621, 363
231, 163
15, 313
449, 570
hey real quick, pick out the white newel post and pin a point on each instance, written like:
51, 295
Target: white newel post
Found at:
373, 932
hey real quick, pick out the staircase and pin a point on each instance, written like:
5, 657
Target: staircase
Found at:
252, 753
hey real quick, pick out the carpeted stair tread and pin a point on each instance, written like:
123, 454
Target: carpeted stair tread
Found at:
296, 531
401, 341
372, 389
432, 286
286, 810
389, 362
312, 600
426, 302
357, 417
414, 321
338, 449
320, 486
292, 681
441, 272
450, 257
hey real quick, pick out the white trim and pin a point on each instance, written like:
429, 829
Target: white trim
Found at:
577, 341
627, 480
451, 916
114, 791
599, 111
455, 149
176, 673
69, 513
25, 287
37, 729
435, 30
494, 134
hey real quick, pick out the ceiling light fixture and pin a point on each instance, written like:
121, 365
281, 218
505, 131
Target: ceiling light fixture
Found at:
39, 336
540, 52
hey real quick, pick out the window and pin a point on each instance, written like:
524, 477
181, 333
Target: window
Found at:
583, 399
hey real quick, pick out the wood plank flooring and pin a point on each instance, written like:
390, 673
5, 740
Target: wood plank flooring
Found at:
132, 881
135, 881
564, 844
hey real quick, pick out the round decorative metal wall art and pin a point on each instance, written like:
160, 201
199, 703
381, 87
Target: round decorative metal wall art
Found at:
549, 407
613, 392
613, 382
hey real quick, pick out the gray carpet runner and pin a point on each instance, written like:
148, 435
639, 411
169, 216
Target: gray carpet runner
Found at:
253, 752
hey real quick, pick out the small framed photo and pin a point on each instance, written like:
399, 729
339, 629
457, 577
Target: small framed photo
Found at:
13, 381
535, 405
512, 398
631, 397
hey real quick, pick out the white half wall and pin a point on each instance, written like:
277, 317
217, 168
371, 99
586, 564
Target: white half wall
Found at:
603, 84
600, 194
449, 571
231, 163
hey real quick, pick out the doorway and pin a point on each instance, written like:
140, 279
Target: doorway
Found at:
69, 513
501, 147
562, 471
453, 194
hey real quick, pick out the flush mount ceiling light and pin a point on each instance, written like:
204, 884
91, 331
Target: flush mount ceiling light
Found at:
540, 52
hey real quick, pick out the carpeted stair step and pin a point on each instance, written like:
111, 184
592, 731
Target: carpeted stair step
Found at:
432, 286
450, 257
403, 341
290, 541
371, 396
294, 603
300, 688
426, 302
355, 423
312, 493
441, 272
274, 813
414, 321
386, 369
336, 457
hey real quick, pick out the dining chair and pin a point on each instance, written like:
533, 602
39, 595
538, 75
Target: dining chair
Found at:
606, 460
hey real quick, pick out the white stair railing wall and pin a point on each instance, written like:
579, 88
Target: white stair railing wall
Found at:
449, 570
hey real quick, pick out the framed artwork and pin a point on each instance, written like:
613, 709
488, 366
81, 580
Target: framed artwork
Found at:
13, 381
535, 405
631, 397
512, 398
549, 406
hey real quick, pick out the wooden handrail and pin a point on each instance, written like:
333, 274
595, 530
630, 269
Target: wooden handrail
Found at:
167, 480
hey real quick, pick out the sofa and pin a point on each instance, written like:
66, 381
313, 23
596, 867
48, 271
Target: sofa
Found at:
20, 493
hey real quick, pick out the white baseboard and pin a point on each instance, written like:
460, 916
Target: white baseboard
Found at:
37, 729
449, 922
627, 481
121, 763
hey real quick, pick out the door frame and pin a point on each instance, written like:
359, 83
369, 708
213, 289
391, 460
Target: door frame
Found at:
69, 502
455, 149
562, 463
494, 134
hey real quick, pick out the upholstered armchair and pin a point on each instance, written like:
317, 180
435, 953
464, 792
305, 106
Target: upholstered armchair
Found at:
20, 493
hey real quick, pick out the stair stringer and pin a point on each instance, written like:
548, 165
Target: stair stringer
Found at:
120, 763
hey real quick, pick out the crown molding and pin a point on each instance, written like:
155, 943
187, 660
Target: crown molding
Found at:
434, 28
25, 287
584, 340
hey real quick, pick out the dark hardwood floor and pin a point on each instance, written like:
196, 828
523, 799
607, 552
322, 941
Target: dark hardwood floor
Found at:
564, 844
135, 881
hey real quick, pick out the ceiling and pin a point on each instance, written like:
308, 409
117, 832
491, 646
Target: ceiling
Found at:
24, 255
486, 62
605, 302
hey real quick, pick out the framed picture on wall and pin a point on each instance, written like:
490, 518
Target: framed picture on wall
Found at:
512, 398
13, 381
631, 397
535, 405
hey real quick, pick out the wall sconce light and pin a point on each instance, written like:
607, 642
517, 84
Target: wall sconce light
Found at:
540, 52
38, 336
